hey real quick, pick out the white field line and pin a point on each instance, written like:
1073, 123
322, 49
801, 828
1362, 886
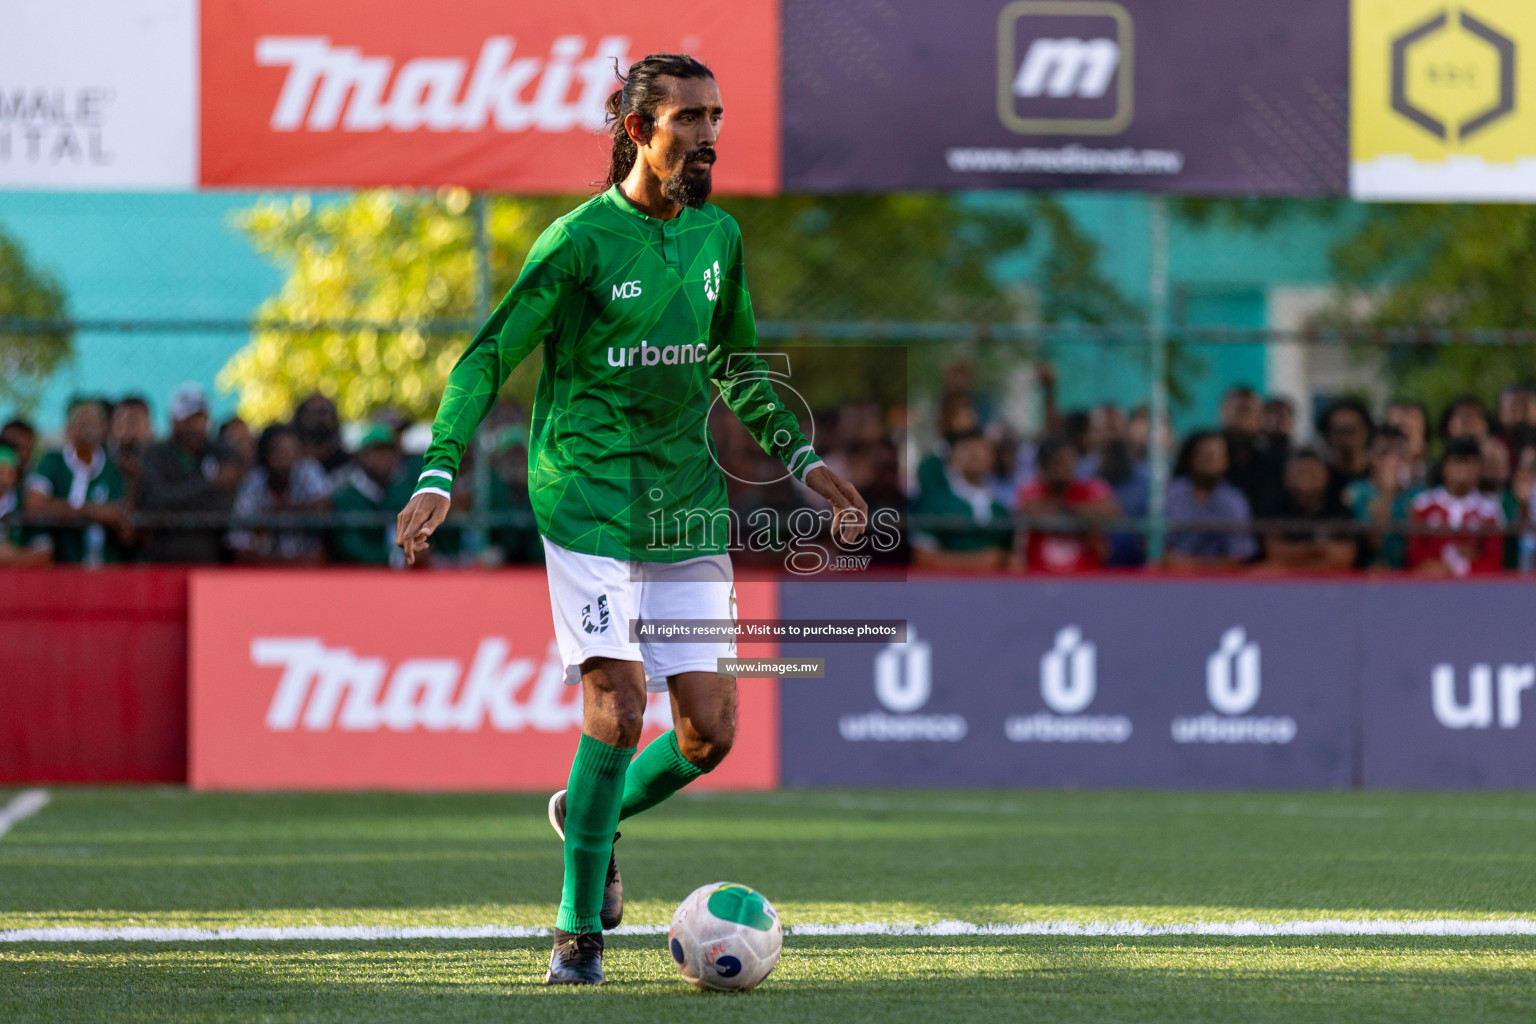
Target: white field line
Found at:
1132, 929
23, 805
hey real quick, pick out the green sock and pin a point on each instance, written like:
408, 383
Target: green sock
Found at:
591, 814
659, 771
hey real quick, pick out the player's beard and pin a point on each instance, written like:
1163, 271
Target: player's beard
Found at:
689, 187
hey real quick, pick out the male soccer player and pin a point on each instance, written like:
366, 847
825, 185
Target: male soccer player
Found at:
639, 300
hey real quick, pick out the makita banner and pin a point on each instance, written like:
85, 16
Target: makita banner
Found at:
477, 93
1081, 683
98, 94
1172, 95
345, 680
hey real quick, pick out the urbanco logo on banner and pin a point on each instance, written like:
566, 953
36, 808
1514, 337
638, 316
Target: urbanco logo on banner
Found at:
1068, 684
324, 689
1490, 697
903, 684
1065, 67
1232, 685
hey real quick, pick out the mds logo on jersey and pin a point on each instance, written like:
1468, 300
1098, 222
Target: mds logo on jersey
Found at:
1064, 67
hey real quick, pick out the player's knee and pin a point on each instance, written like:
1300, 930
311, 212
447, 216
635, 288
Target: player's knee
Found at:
706, 748
627, 720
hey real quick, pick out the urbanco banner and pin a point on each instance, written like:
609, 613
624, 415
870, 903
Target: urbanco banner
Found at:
1091, 683
477, 93
99, 94
1449, 685
1202, 96
435, 681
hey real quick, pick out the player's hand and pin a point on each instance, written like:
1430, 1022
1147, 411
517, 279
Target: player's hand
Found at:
422, 515
850, 514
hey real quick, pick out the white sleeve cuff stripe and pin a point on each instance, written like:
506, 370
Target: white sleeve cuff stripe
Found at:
435, 472
802, 474
433, 490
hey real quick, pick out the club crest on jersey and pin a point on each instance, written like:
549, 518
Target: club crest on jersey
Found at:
712, 282
601, 625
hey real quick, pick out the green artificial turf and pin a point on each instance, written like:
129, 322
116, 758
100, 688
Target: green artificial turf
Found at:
164, 857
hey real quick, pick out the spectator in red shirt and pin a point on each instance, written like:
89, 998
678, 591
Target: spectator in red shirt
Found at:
1458, 504
1058, 494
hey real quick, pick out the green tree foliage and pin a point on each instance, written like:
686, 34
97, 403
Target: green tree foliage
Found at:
379, 267
388, 258
1445, 266
28, 355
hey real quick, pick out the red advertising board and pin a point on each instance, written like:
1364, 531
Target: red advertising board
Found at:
372, 680
478, 93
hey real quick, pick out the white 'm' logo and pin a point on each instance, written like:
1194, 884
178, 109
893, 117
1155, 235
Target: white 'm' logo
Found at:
1067, 67
328, 85
903, 676
1232, 673
1068, 673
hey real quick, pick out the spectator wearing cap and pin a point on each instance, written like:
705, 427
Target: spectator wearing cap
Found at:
1201, 493
369, 485
188, 472
80, 485
971, 530
17, 547
1308, 544
284, 480
1458, 505
1058, 493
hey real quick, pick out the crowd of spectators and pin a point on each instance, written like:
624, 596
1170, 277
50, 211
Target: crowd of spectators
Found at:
1398, 490
293, 494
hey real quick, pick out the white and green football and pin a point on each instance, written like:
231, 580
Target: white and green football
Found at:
725, 937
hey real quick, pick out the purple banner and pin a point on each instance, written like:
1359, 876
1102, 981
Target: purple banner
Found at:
1087, 683
1193, 96
1449, 685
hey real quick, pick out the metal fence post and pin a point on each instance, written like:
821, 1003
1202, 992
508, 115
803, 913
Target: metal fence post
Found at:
477, 538
1157, 406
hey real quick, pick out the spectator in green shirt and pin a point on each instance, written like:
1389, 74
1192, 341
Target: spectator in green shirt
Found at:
982, 532
16, 549
81, 485
1384, 498
370, 483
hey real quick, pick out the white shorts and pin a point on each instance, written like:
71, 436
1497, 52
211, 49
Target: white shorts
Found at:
593, 599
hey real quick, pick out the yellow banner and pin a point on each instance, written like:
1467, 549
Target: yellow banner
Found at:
1443, 99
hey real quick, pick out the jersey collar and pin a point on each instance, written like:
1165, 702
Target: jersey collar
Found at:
616, 198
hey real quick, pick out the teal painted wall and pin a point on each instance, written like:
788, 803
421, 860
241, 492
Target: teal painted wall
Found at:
176, 256
141, 256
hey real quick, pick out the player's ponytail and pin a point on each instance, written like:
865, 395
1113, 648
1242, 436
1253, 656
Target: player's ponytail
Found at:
639, 92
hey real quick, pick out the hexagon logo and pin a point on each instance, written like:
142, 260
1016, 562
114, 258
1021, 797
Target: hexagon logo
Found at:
1453, 75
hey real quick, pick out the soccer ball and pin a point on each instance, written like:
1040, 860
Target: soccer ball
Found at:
725, 937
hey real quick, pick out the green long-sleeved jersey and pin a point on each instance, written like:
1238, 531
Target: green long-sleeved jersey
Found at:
636, 316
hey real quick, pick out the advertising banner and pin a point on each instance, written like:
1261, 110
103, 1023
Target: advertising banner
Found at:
1448, 687
373, 680
477, 93
99, 94
1443, 100
1083, 683
1199, 96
